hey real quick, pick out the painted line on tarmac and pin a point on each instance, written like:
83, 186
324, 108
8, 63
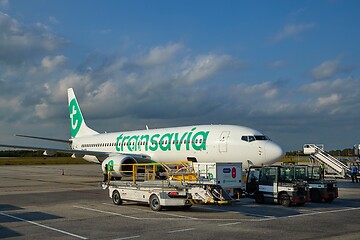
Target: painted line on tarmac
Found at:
291, 216
245, 213
43, 226
309, 214
182, 230
125, 238
151, 211
228, 224
331, 211
147, 218
107, 212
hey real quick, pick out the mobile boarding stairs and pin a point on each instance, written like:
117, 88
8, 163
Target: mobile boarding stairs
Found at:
333, 166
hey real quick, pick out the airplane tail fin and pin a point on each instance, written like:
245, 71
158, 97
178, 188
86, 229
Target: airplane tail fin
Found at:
78, 127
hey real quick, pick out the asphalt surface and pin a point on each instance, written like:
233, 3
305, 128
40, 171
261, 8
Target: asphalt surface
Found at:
66, 202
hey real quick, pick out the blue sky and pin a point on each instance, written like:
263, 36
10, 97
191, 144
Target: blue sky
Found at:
289, 69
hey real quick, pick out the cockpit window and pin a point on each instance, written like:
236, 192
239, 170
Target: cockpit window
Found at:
253, 138
261, 137
248, 138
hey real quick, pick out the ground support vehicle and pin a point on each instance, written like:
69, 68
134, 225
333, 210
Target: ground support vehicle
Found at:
227, 174
177, 187
275, 184
319, 187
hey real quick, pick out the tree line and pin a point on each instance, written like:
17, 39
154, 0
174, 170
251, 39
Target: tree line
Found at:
27, 153
334, 153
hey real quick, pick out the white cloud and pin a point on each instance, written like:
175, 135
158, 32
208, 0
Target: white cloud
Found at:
160, 55
42, 110
277, 64
53, 20
329, 100
292, 30
205, 66
329, 69
326, 70
4, 3
19, 42
266, 89
57, 91
50, 63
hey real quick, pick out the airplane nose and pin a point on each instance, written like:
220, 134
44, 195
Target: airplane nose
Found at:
273, 152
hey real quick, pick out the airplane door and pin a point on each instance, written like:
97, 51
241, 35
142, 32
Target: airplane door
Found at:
223, 141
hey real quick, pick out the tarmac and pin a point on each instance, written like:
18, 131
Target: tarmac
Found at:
66, 202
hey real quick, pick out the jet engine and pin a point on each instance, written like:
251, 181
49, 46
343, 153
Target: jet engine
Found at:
119, 165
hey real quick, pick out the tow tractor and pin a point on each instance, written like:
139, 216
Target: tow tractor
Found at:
166, 185
276, 184
319, 188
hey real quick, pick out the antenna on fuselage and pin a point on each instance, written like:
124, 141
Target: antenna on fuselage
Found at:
147, 127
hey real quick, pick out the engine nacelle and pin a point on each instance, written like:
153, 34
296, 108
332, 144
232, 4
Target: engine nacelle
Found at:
119, 165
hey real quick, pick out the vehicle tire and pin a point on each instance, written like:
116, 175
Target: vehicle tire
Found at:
116, 198
284, 200
315, 195
259, 197
329, 200
154, 203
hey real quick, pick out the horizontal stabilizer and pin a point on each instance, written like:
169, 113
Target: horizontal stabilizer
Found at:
44, 138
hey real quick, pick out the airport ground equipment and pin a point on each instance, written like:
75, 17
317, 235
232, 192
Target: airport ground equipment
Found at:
319, 188
334, 167
357, 149
226, 174
276, 184
166, 185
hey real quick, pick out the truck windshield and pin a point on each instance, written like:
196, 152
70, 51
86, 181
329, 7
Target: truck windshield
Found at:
286, 175
314, 173
300, 173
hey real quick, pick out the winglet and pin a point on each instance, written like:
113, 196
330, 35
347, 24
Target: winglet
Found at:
78, 127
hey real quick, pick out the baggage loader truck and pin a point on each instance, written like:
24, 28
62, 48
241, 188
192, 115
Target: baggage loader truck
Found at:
178, 187
320, 188
276, 184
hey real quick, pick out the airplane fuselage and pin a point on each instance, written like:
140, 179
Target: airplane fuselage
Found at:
203, 143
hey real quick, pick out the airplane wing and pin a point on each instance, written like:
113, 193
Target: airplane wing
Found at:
78, 153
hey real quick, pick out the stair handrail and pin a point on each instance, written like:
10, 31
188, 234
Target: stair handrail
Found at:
334, 161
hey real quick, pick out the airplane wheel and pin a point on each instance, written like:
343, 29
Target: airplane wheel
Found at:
154, 203
116, 198
284, 200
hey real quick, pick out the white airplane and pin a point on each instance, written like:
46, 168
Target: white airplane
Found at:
198, 143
